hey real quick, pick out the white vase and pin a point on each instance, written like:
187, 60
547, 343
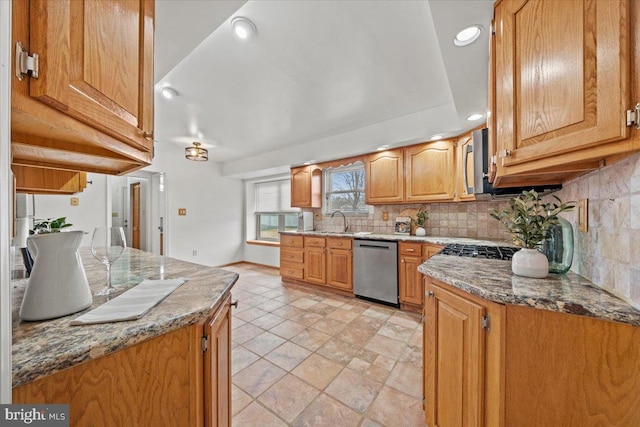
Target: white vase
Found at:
57, 285
530, 263
420, 231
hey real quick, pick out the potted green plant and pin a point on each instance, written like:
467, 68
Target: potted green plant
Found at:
420, 221
49, 225
529, 221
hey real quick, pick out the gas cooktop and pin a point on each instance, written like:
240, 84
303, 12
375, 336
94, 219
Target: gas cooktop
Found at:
477, 251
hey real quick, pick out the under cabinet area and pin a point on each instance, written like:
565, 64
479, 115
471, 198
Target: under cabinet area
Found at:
179, 378
555, 125
94, 116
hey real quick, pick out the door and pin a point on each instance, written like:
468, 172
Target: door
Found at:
92, 72
217, 368
384, 180
454, 359
430, 172
562, 80
135, 215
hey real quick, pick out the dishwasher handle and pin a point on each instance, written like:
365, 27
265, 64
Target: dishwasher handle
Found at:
373, 247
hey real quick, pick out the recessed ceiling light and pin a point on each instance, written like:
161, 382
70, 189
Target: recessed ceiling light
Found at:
309, 162
474, 117
169, 92
382, 148
468, 35
243, 28
436, 137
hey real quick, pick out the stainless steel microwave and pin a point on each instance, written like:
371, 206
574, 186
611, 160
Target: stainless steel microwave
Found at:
478, 152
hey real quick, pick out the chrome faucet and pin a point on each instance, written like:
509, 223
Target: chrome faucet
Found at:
346, 227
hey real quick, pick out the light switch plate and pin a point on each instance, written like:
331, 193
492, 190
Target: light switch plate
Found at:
583, 215
182, 211
385, 216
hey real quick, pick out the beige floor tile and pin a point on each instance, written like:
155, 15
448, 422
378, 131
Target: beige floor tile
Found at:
406, 379
245, 332
250, 314
334, 301
241, 358
317, 371
413, 356
325, 411
342, 315
256, 289
311, 339
369, 423
386, 346
268, 321
255, 300
339, 351
368, 355
307, 318
329, 326
378, 313
354, 390
367, 322
263, 343
416, 339
393, 408
276, 293
407, 320
287, 311
256, 415
288, 355
356, 335
239, 400
271, 305
321, 309
288, 397
384, 362
288, 329
304, 303
236, 323
258, 377
396, 332
358, 365
377, 373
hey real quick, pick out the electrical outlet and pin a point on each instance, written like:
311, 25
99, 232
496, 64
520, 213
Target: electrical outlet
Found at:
182, 211
75, 201
385, 216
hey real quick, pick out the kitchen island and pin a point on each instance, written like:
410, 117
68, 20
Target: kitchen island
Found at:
505, 350
164, 364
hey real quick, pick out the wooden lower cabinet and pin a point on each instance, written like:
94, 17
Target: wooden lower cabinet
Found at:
411, 281
315, 266
292, 256
166, 380
488, 364
340, 263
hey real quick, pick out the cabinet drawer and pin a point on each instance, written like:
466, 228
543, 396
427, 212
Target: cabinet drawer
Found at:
295, 271
291, 241
291, 255
339, 243
413, 249
316, 242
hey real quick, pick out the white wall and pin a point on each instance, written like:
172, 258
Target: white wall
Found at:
90, 213
213, 225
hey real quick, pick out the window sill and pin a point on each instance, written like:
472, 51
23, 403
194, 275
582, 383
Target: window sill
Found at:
262, 243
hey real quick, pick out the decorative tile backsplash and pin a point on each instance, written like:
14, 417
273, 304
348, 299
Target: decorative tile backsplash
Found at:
608, 254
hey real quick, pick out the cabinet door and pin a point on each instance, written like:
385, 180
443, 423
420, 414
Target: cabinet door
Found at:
34, 180
454, 359
96, 64
562, 81
315, 266
306, 187
217, 367
464, 168
340, 269
429, 172
384, 177
411, 283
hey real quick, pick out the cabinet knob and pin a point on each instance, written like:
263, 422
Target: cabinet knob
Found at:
430, 294
402, 260
148, 136
234, 304
505, 153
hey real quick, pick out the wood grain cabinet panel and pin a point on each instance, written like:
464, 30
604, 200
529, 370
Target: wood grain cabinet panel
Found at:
217, 368
315, 266
562, 84
91, 107
340, 263
306, 187
34, 180
429, 172
384, 177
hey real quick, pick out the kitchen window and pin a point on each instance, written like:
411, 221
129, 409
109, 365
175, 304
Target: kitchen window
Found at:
273, 210
344, 190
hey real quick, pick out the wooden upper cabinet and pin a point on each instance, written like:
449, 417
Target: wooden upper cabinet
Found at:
306, 187
561, 82
384, 177
464, 168
429, 172
35, 180
91, 106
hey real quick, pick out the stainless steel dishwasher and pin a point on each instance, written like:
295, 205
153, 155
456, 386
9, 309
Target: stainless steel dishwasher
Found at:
375, 270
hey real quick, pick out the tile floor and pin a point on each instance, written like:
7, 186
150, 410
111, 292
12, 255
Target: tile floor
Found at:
303, 357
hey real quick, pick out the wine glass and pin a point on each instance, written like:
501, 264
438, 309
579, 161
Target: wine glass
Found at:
107, 245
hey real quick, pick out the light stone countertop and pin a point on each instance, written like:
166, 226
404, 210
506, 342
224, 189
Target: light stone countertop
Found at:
494, 281
42, 348
403, 237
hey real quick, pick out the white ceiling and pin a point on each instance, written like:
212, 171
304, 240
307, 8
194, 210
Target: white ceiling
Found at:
336, 77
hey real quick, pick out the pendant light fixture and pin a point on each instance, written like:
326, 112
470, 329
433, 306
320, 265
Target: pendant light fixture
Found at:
196, 153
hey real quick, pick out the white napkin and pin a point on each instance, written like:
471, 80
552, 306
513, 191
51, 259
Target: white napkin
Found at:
132, 304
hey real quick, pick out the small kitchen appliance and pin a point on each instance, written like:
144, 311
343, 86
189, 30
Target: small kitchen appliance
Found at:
305, 221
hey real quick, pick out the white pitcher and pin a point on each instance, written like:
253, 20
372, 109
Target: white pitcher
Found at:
58, 285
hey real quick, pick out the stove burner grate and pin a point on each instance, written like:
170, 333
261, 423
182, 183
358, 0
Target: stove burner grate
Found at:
479, 251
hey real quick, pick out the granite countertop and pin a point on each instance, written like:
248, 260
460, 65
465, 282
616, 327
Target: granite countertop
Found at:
42, 348
403, 237
494, 281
